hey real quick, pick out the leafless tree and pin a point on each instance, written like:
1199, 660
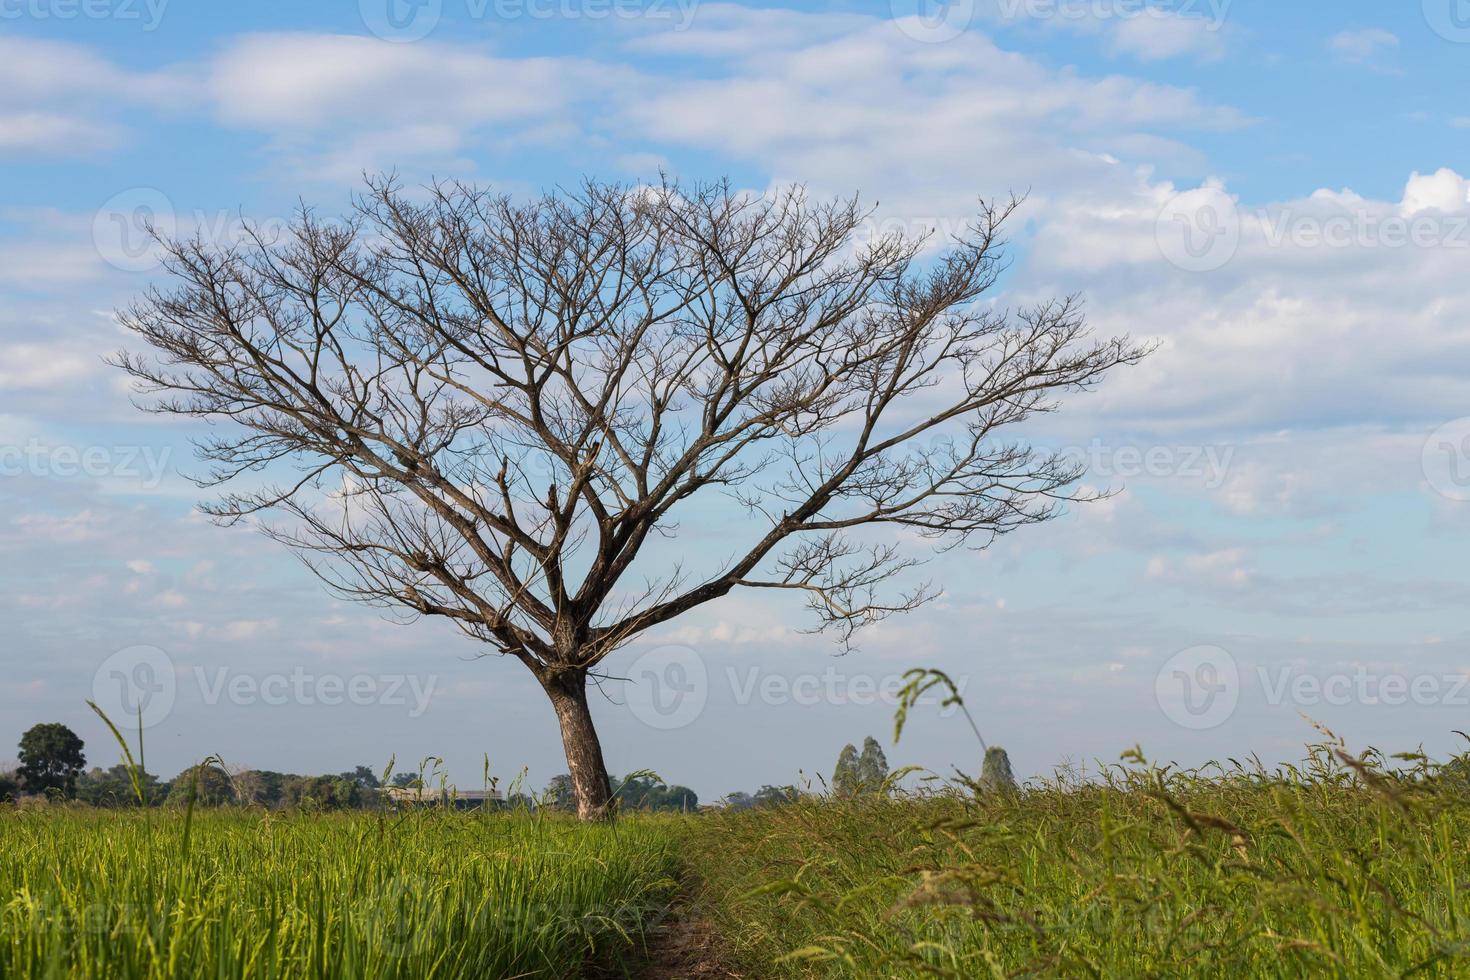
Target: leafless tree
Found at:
459, 405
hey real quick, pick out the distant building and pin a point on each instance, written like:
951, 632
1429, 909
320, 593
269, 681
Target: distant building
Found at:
460, 799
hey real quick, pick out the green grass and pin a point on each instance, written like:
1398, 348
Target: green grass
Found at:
1340, 868
115, 894
1333, 870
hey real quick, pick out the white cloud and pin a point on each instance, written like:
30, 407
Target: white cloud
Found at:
1158, 36
1364, 47
337, 104
1444, 190
52, 97
52, 133
29, 365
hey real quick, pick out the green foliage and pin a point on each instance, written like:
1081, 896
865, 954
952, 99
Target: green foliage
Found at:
363, 777
637, 792
115, 787
872, 768
119, 894
323, 793
559, 794
9, 787
995, 773
51, 759
1338, 867
203, 785
845, 779
768, 796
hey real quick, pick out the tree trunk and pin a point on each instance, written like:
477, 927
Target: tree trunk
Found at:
590, 783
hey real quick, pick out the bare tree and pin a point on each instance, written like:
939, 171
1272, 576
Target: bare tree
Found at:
459, 405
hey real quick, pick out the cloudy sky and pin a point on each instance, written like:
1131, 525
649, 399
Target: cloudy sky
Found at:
1272, 192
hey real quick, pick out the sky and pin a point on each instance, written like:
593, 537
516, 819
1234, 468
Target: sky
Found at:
1274, 194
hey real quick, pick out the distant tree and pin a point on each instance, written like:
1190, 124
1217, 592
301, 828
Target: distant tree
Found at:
406, 780
560, 793
1457, 770
739, 800
845, 778
114, 787
680, 798
51, 759
643, 793
363, 777
872, 768
207, 784
262, 787
776, 795
323, 793
487, 409
996, 775
9, 787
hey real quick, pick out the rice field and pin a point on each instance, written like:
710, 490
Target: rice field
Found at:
1338, 868
121, 894
1346, 866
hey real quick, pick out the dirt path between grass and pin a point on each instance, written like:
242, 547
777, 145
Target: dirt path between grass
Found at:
685, 946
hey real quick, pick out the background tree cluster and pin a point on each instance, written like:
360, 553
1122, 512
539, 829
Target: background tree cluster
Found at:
634, 792
53, 764
863, 773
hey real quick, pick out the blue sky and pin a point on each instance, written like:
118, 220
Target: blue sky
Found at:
1290, 463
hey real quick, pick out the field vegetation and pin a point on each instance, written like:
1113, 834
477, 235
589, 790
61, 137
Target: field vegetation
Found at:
237, 892
1348, 865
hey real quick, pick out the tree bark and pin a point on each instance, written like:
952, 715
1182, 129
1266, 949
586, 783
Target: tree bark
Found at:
590, 783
